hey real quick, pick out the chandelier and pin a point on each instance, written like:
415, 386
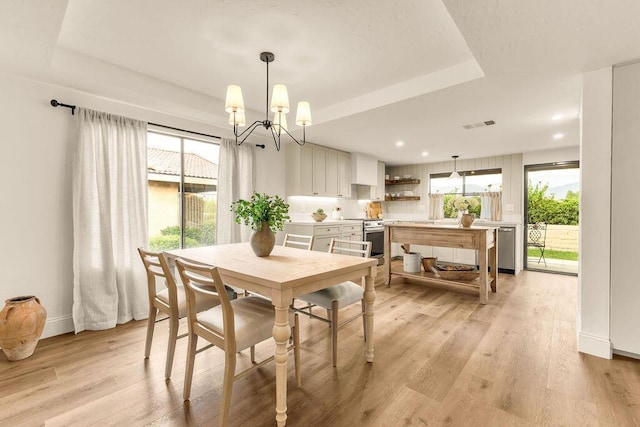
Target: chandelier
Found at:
234, 105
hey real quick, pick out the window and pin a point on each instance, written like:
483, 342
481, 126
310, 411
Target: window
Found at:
182, 177
469, 185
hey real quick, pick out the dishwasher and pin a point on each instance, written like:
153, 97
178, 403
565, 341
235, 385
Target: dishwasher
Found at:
507, 250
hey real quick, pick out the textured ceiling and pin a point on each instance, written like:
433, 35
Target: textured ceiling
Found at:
414, 70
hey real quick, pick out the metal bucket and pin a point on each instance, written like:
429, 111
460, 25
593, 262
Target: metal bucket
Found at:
411, 262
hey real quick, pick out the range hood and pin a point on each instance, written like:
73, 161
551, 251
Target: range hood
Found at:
364, 169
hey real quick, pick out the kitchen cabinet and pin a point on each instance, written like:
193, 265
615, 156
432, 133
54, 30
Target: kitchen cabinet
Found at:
314, 170
344, 173
324, 232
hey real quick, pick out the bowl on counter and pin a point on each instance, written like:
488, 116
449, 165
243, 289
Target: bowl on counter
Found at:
408, 177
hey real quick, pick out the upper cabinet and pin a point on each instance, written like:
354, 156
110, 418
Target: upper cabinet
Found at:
314, 170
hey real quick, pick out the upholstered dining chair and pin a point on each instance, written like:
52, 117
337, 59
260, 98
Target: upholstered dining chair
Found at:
339, 296
171, 301
232, 326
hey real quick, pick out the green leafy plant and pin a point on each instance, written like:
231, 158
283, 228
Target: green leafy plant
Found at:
261, 207
320, 211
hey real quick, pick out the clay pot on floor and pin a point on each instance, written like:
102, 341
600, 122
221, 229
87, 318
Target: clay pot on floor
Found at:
21, 324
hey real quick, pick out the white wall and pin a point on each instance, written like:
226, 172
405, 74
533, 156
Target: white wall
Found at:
566, 154
35, 175
625, 235
595, 220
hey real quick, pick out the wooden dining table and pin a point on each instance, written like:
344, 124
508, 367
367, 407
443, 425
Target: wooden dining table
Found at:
285, 274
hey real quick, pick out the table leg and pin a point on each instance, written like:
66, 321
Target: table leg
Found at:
281, 334
387, 256
484, 273
493, 263
369, 298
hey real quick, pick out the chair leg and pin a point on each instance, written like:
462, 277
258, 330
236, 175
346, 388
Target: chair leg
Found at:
296, 348
151, 323
329, 313
334, 331
227, 386
171, 348
364, 320
188, 373
542, 256
253, 354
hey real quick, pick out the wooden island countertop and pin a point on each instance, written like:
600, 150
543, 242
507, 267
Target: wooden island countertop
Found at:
481, 238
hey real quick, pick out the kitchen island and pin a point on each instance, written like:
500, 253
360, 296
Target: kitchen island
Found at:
482, 239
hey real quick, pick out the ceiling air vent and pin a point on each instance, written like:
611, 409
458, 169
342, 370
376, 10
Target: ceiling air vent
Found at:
480, 124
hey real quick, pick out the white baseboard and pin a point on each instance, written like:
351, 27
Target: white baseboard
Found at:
626, 354
58, 326
594, 345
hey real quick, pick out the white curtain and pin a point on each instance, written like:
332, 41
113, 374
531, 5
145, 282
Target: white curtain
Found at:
236, 180
109, 220
491, 206
436, 206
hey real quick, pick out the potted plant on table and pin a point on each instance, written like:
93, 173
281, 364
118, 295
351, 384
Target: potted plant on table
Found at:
264, 214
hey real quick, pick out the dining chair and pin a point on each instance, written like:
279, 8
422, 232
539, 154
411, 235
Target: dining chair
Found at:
339, 296
171, 301
232, 326
300, 241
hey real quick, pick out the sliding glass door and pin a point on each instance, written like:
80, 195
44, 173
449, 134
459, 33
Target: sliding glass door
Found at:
182, 182
551, 229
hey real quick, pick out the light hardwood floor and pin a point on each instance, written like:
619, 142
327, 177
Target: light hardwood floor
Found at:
441, 358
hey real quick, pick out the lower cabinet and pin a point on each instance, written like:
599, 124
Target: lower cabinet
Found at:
323, 233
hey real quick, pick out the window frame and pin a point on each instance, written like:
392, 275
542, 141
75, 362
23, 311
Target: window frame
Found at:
463, 175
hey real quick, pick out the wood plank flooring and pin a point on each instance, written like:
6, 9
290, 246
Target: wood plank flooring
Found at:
441, 358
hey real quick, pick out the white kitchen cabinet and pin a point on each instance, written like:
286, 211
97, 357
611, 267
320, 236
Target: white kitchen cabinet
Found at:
351, 232
443, 254
323, 233
314, 170
464, 256
344, 174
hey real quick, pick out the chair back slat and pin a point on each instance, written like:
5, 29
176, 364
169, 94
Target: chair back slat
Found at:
350, 247
298, 240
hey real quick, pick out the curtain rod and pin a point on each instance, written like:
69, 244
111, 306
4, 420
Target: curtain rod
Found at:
55, 103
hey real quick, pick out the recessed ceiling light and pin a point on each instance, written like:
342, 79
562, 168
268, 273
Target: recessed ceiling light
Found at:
558, 136
399, 143
425, 154
557, 117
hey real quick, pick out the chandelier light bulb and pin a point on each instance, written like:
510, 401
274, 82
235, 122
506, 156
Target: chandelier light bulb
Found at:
234, 101
279, 121
238, 120
303, 115
280, 99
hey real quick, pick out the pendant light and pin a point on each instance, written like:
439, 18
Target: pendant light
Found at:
454, 174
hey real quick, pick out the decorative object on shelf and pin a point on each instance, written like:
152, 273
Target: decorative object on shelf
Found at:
264, 214
336, 213
234, 105
429, 263
466, 220
319, 215
457, 272
411, 262
454, 174
21, 325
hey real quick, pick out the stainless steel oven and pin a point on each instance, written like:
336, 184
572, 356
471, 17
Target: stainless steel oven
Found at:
373, 231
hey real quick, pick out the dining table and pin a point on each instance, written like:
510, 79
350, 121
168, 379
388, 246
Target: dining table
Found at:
285, 274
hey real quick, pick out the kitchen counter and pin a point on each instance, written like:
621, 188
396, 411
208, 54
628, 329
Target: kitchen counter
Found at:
480, 238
